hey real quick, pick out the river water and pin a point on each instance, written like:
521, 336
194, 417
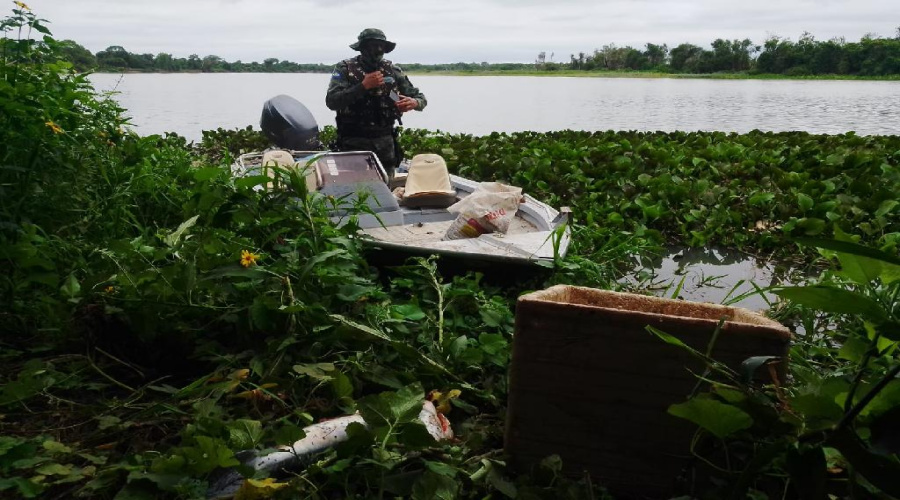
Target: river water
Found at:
189, 103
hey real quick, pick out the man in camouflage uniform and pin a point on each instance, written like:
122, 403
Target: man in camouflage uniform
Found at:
369, 93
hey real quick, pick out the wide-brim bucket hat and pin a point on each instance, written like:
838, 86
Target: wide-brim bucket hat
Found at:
373, 34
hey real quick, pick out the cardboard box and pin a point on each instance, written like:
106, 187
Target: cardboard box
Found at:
589, 383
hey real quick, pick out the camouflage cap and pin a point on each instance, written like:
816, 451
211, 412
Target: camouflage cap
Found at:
373, 34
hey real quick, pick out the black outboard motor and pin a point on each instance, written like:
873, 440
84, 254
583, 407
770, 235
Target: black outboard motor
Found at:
288, 124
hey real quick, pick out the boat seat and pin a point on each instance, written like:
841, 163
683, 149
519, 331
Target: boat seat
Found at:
378, 196
284, 159
428, 183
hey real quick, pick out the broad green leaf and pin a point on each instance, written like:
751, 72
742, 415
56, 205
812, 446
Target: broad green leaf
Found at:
407, 404
496, 479
729, 395
819, 402
805, 202
718, 418
492, 343
252, 181
811, 226
172, 239
835, 300
458, 345
236, 271
390, 408
351, 292
885, 207
8, 443
359, 438
552, 463
207, 173
319, 371
859, 262
493, 317
288, 434
415, 435
890, 273
261, 315
70, 288
853, 349
107, 421
441, 468
850, 248
55, 469
761, 198
244, 434
861, 270
342, 385
29, 382
22, 486
435, 486
410, 312
165, 482
208, 454
884, 402
56, 447
834, 160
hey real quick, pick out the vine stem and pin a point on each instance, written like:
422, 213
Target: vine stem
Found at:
108, 377
440, 296
849, 416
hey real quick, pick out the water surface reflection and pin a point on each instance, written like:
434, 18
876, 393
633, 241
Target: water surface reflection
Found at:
714, 275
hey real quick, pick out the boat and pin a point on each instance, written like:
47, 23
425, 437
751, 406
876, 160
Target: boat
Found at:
412, 213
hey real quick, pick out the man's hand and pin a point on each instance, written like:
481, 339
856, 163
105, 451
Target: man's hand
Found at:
372, 80
407, 104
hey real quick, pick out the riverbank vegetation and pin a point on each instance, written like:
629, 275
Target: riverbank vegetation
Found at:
160, 316
870, 57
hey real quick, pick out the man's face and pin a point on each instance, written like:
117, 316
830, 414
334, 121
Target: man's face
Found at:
373, 50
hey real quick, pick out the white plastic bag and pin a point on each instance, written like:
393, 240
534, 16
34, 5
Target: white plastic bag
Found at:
489, 209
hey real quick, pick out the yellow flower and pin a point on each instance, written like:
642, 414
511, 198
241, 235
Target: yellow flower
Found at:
442, 400
22, 5
248, 259
54, 127
258, 489
110, 289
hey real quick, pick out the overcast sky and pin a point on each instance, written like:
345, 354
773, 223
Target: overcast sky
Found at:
429, 31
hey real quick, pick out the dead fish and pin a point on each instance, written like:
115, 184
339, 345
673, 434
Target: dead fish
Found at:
319, 437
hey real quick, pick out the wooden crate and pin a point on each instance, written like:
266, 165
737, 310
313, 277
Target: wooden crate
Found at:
588, 381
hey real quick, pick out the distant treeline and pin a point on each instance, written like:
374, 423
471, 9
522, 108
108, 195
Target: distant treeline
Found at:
871, 56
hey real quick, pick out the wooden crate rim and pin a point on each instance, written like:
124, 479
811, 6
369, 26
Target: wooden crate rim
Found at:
736, 316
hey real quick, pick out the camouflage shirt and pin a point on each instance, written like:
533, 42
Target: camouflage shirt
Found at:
360, 111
